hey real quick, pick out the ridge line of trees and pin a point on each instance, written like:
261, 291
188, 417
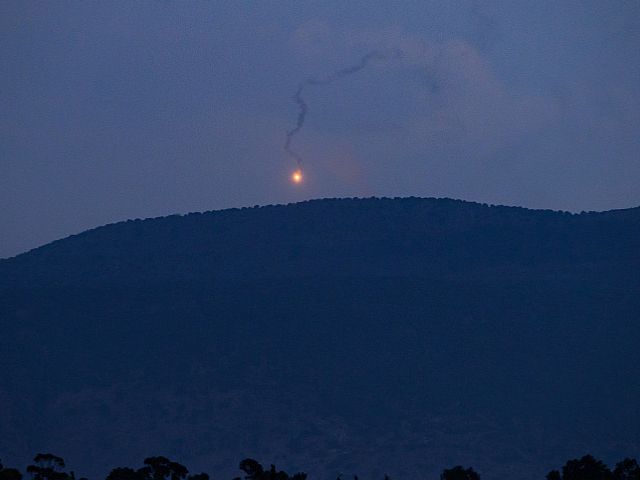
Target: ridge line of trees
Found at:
47, 466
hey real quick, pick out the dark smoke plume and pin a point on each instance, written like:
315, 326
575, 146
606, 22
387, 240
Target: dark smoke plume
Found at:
303, 108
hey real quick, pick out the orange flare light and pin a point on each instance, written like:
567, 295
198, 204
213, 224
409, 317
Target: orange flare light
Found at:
296, 177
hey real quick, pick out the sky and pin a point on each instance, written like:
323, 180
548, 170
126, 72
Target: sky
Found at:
117, 110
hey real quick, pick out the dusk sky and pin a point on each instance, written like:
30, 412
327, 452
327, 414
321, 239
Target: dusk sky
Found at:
117, 110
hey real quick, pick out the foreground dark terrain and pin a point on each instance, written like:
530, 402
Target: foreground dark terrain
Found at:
333, 336
47, 466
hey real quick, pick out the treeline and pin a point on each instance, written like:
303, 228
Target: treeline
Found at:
47, 466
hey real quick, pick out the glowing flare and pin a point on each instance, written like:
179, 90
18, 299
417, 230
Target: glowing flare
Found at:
296, 177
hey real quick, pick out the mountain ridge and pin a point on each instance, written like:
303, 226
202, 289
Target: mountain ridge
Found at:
371, 336
325, 199
387, 220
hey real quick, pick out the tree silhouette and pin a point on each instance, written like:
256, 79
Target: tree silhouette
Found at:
277, 475
627, 469
124, 473
586, 468
252, 468
554, 475
459, 473
48, 467
161, 468
255, 471
199, 476
9, 473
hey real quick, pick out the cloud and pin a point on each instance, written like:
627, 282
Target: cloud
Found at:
457, 103
471, 106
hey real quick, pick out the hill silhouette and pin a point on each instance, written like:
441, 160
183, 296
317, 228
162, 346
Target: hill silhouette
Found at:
335, 336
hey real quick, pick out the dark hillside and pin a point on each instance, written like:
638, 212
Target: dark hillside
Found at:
337, 336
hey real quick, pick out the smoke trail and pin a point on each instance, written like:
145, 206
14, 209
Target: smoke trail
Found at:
303, 108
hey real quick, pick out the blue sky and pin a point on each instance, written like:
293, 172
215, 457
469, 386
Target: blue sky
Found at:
116, 110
